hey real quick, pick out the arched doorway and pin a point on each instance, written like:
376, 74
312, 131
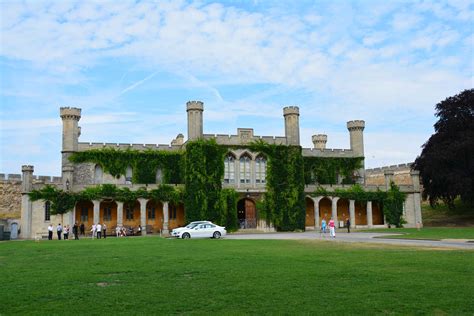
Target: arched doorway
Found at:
309, 222
246, 213
325, 209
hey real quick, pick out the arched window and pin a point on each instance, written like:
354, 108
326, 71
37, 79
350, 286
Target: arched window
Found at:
128, 175
47, 211
229, 169
245, 169
260, 170
159, 176
98, 174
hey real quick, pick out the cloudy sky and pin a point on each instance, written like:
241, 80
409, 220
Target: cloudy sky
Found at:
132, 65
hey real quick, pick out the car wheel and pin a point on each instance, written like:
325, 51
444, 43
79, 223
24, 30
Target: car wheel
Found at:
186, 236
216, 235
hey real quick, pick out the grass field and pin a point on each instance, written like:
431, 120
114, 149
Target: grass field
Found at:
165, 276
432, 233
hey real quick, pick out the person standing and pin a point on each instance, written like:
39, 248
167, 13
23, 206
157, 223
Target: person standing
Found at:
93, 230
50, 232
118, 231
323, 226
83, 229
104, 230
348, 224
99, 231
332, 228
59, 229
66, 232
75, 231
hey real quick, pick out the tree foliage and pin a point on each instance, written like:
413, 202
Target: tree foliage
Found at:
446, 163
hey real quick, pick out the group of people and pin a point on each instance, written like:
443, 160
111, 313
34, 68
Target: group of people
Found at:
62, 231
122, 231
332, 227
98, 231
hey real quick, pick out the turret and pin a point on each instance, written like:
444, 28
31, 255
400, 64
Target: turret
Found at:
195, 128
320, 141
27, 178
292, 125
71, 130
26, 205
356, 131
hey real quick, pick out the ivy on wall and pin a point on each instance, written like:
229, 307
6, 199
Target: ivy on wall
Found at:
283, 203
390, 201
325, 170
144, 164
64, 201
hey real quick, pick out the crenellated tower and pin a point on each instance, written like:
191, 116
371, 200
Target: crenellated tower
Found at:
319, 141
195, 125
356, 131
71, 132
292, 125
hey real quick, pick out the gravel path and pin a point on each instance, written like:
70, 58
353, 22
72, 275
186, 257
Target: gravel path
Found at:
358, 237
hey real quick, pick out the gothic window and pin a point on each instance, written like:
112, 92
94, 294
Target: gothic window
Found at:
245, 169
128, 175
107, 214
98, 174
151, 213
229, 169
260, 170
84, 214
47, 211
129, 212
159, 176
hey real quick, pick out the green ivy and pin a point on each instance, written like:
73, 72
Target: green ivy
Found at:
144, 164
325, 170
283, 203
229, 199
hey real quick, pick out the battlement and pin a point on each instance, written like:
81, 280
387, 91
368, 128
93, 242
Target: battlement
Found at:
27, 168
394, 168
356, 125
70, 113
194, 106
291, 110
16, 178
237, 140
122, 146
329, 153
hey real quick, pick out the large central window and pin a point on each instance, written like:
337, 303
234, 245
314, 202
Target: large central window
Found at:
260, 170
245, 169
229, 169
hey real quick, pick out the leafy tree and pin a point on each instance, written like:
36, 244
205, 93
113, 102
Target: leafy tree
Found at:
446, 163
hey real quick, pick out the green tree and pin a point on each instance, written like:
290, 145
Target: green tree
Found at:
446, 163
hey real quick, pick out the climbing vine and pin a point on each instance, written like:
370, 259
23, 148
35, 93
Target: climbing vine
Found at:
144, 164
325, 170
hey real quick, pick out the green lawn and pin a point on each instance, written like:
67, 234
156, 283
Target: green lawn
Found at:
165, 276
434, 233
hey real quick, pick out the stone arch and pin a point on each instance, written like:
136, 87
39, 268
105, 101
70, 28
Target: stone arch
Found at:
325, 208
377, 213
85, 214
154, 215
176, 215
159, 176
342, 210
245, 168
128, 175
229, 167
309, 221
108, 215
131, 214
360, 208
260, 169
247, 213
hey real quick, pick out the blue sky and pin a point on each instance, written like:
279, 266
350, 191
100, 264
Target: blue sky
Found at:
132, 65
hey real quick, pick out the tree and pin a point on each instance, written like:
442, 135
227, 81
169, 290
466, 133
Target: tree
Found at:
446, 163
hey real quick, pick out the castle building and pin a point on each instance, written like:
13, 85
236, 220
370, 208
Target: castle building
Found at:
244, 171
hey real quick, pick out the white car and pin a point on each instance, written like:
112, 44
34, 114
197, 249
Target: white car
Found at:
203, 229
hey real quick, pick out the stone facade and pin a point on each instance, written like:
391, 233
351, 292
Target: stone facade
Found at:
10, 196
245, 171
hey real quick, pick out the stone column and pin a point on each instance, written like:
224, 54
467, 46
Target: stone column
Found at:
26, 205
352, 213
96, 211
165, 218
356, 133
415, 178
119, 213
316, 213
334, 209
143, 215
369, 215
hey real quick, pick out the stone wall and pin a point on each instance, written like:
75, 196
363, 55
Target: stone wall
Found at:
10, 198
401, 175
